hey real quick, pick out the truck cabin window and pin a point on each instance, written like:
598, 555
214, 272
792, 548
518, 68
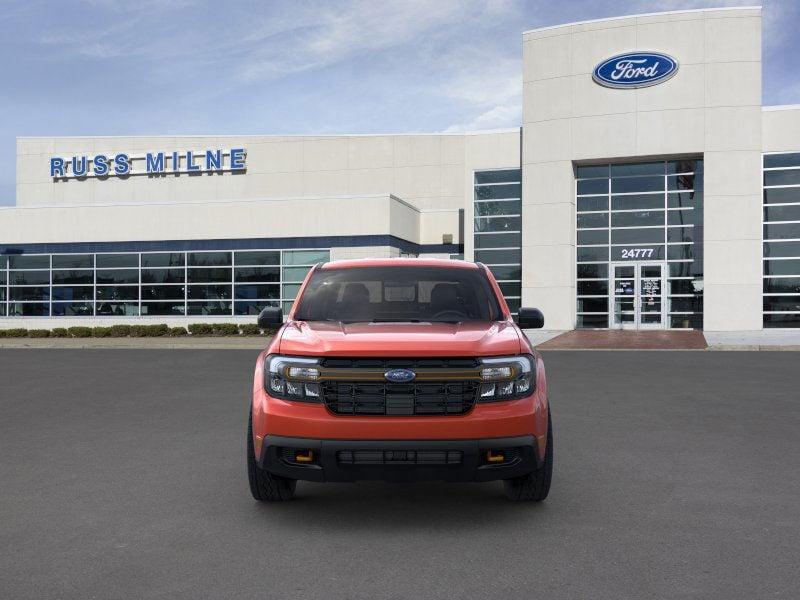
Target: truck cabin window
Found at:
399, 294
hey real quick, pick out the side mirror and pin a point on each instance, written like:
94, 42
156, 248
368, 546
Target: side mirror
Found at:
271, 316
530, 318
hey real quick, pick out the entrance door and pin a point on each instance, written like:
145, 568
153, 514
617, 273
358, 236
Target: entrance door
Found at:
637, 295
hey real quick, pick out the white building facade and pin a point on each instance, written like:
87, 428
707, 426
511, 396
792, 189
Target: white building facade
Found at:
647, 188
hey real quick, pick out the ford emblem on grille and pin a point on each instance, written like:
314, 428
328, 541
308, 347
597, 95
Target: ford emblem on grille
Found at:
399, 375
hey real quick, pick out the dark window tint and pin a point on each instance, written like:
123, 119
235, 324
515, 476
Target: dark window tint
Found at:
782, 285
684, 286
637, 202
624, 185
684, 217
593, 186
498, 257
219, 308
23, 261
162, 292
682, 269
498, 224
510, 288
255, 292
28, 309
209, 259
73, 261
73, 277
789, 177
118, 292
29, 277
782, 231
592, 254
498, 240
73, 292
117, 309
593, 220
637, 236
782, 195
686, 321
118, 276
654, 168
115, 261
680, 234
490, 192
257, 274
587, 237
782, 303
782, 267
589, 271
163, 259
501, 176
782, 213
685, 200
592, 288
684, 166
163, 275
162, 308
399, 293
679, 304
592, 203
781, 249
257, 258
483, 209
72, 309
209, 275
29, 293
593, 305
209, 292
591, 171
593, 321
680, 252
776, 321
782, 160
252, 307
639, 218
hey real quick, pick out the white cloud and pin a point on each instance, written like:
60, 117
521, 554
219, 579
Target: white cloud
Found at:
498, 117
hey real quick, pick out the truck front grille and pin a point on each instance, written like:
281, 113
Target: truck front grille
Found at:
399, 457
398, 399
357, 386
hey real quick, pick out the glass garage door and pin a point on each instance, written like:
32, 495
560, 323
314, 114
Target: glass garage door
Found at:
643, 214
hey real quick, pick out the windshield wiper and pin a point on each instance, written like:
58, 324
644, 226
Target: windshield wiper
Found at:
395, 320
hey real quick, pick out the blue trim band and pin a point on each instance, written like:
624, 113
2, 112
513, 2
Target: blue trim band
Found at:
240, 244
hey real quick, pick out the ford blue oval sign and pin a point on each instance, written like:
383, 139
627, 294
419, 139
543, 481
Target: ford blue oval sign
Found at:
400, 375
635, 70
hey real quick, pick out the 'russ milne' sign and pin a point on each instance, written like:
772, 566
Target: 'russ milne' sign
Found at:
151, 163
635, 70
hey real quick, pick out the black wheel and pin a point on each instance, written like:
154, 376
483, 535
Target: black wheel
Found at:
264, 486
534, 486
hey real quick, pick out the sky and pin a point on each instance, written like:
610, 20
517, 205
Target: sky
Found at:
161, 67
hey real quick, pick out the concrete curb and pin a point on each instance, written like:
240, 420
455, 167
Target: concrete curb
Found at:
166, 343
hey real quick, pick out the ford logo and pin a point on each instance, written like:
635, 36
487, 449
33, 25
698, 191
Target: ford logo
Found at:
400, 375
635, 70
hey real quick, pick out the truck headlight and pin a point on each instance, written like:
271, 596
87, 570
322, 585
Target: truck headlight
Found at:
507, 377
292, 378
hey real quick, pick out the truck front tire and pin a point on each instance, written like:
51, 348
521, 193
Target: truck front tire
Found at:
264, 486
534, 486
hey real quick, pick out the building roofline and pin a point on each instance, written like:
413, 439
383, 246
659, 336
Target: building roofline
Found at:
781, 107
268, 135
652, 14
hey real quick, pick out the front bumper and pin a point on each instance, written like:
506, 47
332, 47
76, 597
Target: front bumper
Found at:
400, 460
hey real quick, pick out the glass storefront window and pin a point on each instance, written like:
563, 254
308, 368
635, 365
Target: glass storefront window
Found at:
781, 248
640, 212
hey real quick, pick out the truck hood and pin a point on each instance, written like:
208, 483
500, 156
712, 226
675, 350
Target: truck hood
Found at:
399, 339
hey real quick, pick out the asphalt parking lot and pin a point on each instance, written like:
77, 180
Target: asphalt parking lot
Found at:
122, 476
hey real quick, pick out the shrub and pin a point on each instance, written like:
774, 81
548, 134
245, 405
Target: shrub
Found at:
80, 332
38, 333
201, 329
157, 330
101, 332
120, 330
177, 331
2, 333
224, 329
138, 330
60, 332
16, 332
249, 329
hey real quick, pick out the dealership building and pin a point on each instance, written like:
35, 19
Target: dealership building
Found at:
647, 187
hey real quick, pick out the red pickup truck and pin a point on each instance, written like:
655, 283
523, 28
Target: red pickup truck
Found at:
400, 370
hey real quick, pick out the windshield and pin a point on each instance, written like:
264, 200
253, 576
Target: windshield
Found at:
398, 294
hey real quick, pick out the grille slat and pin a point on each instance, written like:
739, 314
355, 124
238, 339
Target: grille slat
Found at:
399, 399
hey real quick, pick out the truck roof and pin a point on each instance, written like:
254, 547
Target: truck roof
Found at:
400, 262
